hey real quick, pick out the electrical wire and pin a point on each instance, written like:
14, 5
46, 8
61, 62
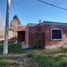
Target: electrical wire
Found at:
52, 5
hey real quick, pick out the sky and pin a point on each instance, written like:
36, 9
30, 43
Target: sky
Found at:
31, 11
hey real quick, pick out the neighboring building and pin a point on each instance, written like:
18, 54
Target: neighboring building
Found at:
13, 27
46, 34
1, 29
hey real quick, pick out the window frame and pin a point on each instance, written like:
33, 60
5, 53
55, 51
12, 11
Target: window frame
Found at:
61, 34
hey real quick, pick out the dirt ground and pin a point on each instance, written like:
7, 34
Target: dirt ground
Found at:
20, 61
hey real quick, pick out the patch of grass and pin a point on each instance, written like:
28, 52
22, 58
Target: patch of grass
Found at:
1, 49
2, 41
17, 49
5, 62
50, 61
12, 40
64, 49
56, 50
14, 49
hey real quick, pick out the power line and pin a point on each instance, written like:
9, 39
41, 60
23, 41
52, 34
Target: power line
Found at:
52, 5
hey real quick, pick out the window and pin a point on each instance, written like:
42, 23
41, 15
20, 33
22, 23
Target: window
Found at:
56, 34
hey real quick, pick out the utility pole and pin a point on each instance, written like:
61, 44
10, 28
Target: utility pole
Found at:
5, 48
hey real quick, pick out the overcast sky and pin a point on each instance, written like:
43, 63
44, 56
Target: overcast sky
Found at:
32, 10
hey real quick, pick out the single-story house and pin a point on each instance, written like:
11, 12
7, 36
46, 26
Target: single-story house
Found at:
46, 34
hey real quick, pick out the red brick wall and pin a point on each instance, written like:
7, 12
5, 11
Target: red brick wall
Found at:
30, 32
46, 29
48, 40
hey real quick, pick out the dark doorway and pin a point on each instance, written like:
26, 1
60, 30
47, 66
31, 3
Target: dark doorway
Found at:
21, 36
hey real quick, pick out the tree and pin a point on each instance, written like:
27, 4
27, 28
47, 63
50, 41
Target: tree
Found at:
13, 25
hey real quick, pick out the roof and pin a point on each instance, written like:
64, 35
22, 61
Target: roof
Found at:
21, 28
51, 23
31, 24
54, 23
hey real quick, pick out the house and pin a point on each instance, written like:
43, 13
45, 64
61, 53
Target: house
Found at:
1, 29
46, 34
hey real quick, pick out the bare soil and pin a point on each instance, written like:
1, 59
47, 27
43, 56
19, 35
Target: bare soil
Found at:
20, 61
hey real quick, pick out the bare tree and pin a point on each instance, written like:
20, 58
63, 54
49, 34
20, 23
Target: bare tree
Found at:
15, 21
13, 25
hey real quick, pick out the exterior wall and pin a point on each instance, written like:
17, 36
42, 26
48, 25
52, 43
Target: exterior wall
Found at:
34, 29
55, 43
31, 30
26, 37
46, 29
11, 35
